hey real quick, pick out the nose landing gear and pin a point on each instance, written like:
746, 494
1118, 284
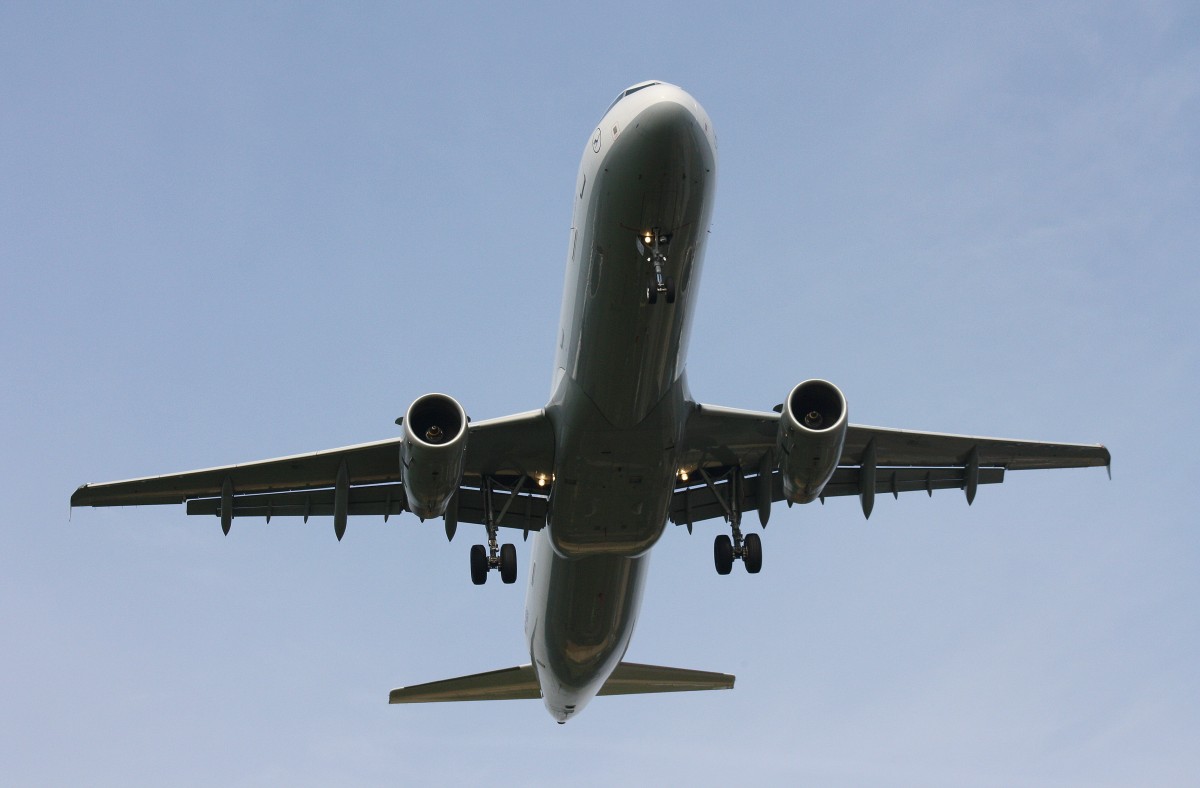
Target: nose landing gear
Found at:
653, 246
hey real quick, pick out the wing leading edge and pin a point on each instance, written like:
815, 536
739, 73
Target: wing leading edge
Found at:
728, 450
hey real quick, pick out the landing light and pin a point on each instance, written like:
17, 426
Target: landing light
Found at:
541, 480
683, 476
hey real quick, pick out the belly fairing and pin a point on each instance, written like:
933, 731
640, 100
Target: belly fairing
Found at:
613, 486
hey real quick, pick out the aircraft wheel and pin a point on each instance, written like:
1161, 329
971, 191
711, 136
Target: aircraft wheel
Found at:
508, 563
479, 564
752, 558
723, 554
651, 294
671, 290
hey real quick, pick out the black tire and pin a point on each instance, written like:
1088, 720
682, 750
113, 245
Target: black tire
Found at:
752, 558
479, 564
651, 294
670, 290
723, 554
508, 563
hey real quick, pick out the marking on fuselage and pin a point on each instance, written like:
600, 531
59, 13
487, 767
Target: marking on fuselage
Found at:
595, 141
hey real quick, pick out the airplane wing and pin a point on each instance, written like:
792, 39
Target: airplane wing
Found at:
729, 457
502, 457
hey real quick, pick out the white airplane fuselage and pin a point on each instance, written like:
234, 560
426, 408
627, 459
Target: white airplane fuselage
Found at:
619, 399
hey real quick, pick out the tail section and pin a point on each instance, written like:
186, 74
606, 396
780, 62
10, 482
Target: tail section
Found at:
629, 678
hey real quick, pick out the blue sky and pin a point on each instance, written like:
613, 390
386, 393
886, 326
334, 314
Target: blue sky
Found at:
232, 232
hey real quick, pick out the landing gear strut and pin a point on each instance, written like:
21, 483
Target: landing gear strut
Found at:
748, 548
653, 246
494, 555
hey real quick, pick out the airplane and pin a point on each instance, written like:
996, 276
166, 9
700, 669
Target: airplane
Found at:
620, 449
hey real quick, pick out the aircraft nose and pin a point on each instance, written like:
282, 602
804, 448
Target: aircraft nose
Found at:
668, 120
673, 124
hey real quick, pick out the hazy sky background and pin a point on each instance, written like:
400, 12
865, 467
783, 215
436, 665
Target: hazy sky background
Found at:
231, 232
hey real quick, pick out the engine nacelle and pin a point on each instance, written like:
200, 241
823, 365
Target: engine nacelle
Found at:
432, 454
812, 429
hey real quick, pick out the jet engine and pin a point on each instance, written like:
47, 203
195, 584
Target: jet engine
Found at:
812, 429
432, 454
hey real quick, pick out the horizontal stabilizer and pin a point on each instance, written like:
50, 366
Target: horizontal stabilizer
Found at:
504, 684
520, 682
631, 678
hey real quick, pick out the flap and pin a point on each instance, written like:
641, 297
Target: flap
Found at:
697, 502
526, 512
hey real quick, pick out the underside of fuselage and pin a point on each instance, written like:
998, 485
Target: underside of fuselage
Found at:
619, 402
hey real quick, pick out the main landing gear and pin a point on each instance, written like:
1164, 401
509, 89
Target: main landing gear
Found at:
494, 555
653, 245
750, 551
484, 559
748, 548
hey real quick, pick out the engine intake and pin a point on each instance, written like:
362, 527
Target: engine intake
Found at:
812, 429
433, 453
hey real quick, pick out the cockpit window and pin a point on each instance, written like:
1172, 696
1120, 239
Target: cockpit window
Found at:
642, 86
630, 91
